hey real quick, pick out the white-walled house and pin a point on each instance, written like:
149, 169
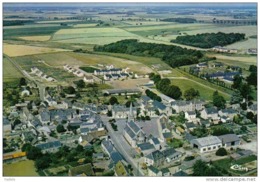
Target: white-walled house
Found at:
206, 144
210, 113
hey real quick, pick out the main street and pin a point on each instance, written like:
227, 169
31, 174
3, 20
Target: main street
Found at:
119, 146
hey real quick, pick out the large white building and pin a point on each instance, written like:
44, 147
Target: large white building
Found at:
206, 144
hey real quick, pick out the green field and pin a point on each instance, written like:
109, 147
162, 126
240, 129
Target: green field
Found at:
205, 92
10, 33
22, 168
88, 69
244, 45
149, 61
27, 62
10, 72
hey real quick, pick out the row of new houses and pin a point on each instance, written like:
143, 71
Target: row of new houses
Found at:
37, 72
79, 73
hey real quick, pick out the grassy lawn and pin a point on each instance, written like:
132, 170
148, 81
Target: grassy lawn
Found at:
10, 73
205, 92
246, 160
26, 62
223, 91
149, 61
88, 69
21, 168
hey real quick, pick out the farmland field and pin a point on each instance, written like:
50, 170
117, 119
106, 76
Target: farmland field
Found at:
244, 45
129, 84
84, 25
36, 38
10, 33
205, 92
248, 30
93, 59
27, 62
10, 73
22, 50
22, 168
99, 36
242, 61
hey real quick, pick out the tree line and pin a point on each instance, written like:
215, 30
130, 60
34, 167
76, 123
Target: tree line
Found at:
209, 40
179, 20
175, 56
15, 22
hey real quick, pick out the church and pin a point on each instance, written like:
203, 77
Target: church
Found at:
132, 132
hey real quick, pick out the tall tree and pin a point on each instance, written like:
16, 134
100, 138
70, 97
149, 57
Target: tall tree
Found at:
191, 94
237, 81
113, 100
218, 100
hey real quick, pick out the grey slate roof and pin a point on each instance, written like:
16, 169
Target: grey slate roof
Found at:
145, 98
211, 110
108, 145
229, 138
206, 141
134, 127
116, 156
180, 173
167, 135
229, 111
190, 125
159, 105
155, 155
49, 145
5, 121
45, 115
156, 141
165, 170
189, 136
153, 169
169, 152
146, 146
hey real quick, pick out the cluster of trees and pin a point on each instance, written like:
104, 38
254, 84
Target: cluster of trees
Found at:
175, 56
64, 156
218, 100
153, 95
252, 78
221, 152
209, 40
179, 20
200, 168
80, 83
113, 100
15, 22
164, 85
243, 89
200, 131
191, 94
220, 130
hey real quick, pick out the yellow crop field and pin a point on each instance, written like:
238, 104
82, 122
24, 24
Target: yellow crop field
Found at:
14, 50
36, 38
84, 25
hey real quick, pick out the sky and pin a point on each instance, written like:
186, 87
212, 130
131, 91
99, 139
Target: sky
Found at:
234, 5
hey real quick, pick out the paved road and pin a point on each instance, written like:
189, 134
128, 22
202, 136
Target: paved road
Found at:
118, 145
